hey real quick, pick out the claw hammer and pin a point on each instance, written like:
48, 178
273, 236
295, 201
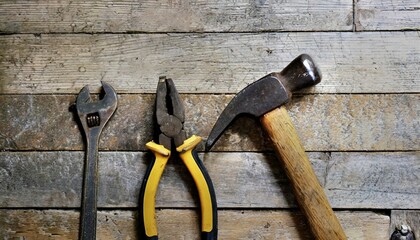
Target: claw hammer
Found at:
265, 98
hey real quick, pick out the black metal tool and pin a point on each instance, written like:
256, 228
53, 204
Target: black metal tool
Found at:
265, 98
403, 232
170, 120
93, 116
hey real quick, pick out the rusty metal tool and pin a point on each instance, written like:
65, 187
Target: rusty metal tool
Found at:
265, 99
403, 232
171, 137
93, 116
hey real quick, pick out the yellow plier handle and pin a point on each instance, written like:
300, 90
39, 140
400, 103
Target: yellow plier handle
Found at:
148, 190
201, 178
204, 185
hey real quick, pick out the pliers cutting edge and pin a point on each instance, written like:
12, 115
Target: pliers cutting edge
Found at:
170, 120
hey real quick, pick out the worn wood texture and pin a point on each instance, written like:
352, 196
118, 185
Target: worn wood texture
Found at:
324, 123
174, 16
183, 224
370, 62
364, 114
209, 16
307, 189
241, 180
359, 177
387, 15
408, 217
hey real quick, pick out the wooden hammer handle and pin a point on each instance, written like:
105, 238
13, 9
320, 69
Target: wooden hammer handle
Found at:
308, 191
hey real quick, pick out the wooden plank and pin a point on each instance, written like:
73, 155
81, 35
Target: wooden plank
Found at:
360, 177
184, 224
54, 179
387, 15
408, 217
169, 16
241, 180
324, 123
206, 63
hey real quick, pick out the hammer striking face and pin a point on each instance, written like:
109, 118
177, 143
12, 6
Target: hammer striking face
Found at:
264, 99
267, 93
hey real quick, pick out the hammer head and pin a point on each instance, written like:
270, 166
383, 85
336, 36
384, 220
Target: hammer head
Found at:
267, 93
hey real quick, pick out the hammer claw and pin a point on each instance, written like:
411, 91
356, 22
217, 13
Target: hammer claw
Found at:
255, 100
265, 99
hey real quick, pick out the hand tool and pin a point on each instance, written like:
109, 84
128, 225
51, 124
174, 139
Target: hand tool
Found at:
402, 232
172, 136
265, 99
93, 116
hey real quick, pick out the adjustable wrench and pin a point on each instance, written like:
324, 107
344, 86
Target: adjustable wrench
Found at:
93, 116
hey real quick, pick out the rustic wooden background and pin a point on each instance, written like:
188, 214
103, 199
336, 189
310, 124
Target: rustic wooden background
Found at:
360, 125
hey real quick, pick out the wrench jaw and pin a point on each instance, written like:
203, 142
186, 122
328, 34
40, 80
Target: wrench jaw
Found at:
83, 97
83, 103
95, 114
110, 99
109, 103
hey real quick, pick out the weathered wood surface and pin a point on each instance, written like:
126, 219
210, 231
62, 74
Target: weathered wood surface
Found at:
387, 15
214, 16
307, 189
216, 48
408, 217
354, 122
360, 177
174, 16
184, 224
241, 180
370, 62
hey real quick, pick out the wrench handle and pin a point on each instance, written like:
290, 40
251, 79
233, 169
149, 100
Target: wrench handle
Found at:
307, 189
90, 180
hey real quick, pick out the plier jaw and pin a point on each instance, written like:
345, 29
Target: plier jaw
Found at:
170, 125
170, 114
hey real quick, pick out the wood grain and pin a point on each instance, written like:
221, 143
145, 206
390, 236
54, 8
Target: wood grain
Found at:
324, 123
374, 171
183, 224
241, 180
408, 217
371, 62
212, 49
173, 16
306, 187
387, 15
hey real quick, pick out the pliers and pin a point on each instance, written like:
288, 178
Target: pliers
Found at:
170, 125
